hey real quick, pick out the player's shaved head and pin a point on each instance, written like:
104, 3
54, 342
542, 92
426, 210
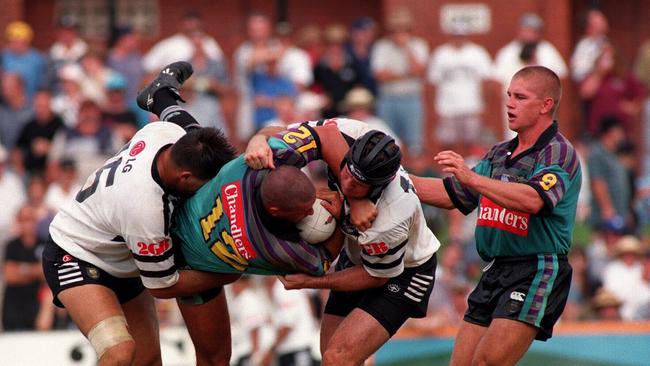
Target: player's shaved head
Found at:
545, 81
287, 187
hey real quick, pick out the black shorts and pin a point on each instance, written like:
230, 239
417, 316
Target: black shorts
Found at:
532, 289
63, 271
402, 297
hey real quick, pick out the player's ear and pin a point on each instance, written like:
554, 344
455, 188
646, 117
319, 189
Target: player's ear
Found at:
548, 105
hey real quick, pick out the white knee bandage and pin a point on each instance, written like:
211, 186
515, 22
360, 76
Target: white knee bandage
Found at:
108, 333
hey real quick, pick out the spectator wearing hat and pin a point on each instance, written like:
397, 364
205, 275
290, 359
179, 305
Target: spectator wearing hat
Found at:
363, 32
125, 58
66, 102
606, 305
310, 39
359, 104
68, 47
115, 111
459, 71
15, 110
398, 62
335, 73
35, 139
623, 277
20, 58
528, 48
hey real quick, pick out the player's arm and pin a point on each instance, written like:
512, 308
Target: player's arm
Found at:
355, 278
515, 196
432, 192
258, 154
334, 244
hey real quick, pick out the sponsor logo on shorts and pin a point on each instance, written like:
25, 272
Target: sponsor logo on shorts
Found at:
517, 296
92, 272
234, 203
493, 215
392, 287
137, 148
66, 258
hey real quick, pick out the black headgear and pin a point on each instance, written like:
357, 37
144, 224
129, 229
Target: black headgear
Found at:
374, 158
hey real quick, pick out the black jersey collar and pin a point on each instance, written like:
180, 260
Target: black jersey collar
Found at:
542, 140
156, 175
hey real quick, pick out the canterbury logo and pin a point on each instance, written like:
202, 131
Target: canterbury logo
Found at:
493, 215
167, 71
517, 296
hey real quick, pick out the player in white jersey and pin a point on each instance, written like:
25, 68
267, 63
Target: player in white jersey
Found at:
112, 241
386, 273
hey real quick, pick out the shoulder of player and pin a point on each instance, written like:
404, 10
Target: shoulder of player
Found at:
397, 196
560, 151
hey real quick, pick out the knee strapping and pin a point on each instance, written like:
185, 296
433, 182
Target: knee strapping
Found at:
108, 333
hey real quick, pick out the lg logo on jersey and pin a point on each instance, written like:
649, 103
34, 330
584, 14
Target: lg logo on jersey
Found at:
135, 150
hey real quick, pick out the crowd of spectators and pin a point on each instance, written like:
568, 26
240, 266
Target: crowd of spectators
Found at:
65, 110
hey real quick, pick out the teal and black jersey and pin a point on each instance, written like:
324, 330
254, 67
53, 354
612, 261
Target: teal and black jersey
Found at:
552, 168
224, 228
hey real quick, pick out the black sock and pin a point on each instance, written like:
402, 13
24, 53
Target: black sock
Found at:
162, 99
166, 108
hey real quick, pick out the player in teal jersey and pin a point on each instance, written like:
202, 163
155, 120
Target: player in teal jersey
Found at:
526, 192
243, 220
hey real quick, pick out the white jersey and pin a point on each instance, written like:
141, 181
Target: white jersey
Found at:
399, 237
120, 220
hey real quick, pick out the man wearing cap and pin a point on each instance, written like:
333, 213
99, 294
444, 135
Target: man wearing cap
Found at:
528, 48
21, 58
68, 46
359, 104
623, 277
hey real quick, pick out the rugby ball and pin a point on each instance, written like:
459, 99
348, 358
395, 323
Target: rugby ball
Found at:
317, 227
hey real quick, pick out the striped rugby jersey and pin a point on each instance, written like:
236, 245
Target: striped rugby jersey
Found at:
399, 237
120, 219
224, 228
552, 168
